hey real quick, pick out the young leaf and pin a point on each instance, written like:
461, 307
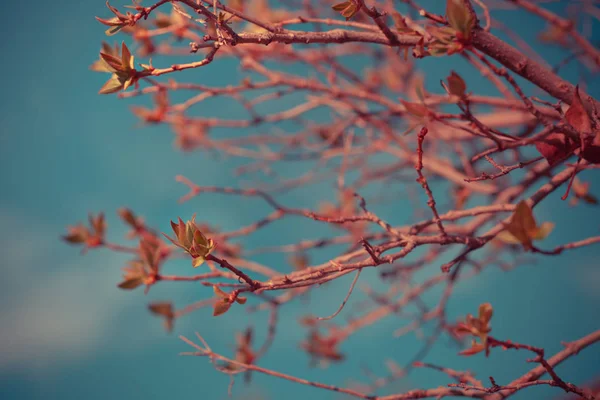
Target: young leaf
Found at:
485, 313
128, 82
198, 261
112, 22
161, 308
456, 85
221, 307
77, 234
348, 9
113, 85
459, 17
523, 229
101, 66
416, 109
126, 58
555, 147
581, 191
132, 283
220, 292
543, 231
165, 310
577, 115
113, 30
340, 6
399, 22
474, 349
591, 149
114, 62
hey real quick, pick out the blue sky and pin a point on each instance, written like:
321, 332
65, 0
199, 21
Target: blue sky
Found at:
67, 332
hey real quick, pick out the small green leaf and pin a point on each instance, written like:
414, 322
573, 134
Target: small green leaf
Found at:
459, 17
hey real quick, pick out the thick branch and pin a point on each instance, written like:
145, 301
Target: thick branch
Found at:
534, 72
331, 36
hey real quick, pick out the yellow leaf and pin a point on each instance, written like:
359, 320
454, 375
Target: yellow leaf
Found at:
340, 6
220, 292
127, 83
522, 227
197, 261
543, 231
522, 224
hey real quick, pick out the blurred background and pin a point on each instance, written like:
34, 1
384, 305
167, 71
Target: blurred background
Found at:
66, 331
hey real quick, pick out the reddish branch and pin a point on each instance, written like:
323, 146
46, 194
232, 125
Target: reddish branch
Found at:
423, 181
478, 146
